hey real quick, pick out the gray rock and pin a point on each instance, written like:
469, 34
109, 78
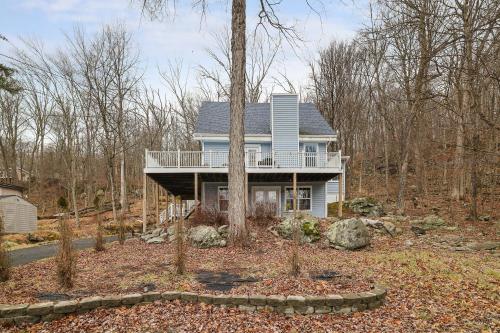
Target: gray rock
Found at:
349, 234
366, 207
66, 307
483, 246
40, 309
223, 230
204, 237
111, 301
14, 310
309, 228
155, 240
90, 302
429, 222
408, 243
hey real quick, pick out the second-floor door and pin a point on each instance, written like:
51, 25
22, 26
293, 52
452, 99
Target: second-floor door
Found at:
310, 154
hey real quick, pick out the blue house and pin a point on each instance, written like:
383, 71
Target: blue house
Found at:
282, 138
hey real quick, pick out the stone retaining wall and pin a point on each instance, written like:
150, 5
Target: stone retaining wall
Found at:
345, 303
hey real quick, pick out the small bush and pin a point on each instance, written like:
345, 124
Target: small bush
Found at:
4, 258
209, 216
264, 214
66, 260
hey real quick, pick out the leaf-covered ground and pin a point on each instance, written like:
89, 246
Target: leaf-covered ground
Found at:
431, 288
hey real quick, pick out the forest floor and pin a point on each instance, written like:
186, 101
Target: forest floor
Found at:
432, 287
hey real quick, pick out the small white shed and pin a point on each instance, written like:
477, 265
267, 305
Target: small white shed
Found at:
18, 214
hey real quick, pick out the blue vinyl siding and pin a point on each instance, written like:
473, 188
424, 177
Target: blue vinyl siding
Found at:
318, 204
285, 124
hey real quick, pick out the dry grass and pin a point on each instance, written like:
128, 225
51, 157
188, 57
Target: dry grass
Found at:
66, 259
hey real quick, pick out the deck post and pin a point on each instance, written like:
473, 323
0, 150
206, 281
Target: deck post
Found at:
295, 195
174, 209
246, 192
340, 196
144, 202
196, 191
157, 202
178, 158
166, 210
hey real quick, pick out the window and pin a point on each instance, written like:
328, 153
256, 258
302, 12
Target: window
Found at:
223, 198
304, 195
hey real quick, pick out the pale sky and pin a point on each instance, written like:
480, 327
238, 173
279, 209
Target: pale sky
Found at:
183, 36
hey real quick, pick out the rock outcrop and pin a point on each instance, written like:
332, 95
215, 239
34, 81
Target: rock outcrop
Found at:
349, 234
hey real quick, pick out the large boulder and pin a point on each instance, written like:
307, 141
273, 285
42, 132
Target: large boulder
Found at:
366, 207
429, 222
350, 234
382, 226
309, 228
204, 237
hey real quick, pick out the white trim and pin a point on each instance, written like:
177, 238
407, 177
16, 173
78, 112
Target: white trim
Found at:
298, 187
218, 201
263, 137
225, 137
268, 188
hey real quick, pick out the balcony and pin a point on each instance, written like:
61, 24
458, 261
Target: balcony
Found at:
217, 161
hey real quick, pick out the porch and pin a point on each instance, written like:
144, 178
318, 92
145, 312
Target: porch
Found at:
255, 161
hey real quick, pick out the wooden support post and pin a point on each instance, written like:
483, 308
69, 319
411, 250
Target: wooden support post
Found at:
174, 209
196, 191
246, 193
294, 195
157, 193
166, 210
144, 202
340, 196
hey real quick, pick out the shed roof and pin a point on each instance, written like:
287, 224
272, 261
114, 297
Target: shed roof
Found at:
12, 186
213, 118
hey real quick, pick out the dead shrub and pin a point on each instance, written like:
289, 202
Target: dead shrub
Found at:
4, 258
263, 213
208, 216
66, 260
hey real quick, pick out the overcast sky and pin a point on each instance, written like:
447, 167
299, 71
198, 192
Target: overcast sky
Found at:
183, 36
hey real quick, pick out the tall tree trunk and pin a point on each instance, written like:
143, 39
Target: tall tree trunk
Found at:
73, 192
458, 179
386, 160
236, 176
112, 187
123, 183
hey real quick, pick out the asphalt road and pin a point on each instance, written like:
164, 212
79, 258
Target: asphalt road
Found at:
30, 254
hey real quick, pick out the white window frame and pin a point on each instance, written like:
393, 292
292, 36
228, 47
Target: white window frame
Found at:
298, 202
218, 197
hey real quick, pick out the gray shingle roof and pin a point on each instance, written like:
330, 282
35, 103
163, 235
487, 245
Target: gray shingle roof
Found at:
213, 118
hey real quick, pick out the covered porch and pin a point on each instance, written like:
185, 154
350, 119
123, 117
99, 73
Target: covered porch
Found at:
209, 189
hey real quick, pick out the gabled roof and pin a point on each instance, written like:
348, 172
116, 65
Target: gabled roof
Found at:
213, 118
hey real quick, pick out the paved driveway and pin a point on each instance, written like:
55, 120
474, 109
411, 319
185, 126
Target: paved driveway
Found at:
30, 254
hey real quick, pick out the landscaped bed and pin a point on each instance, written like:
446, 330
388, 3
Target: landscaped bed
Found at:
430, 287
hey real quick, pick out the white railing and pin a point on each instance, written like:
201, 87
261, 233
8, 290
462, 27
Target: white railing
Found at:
259, 160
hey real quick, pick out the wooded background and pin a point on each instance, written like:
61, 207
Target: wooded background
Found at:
415, 97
